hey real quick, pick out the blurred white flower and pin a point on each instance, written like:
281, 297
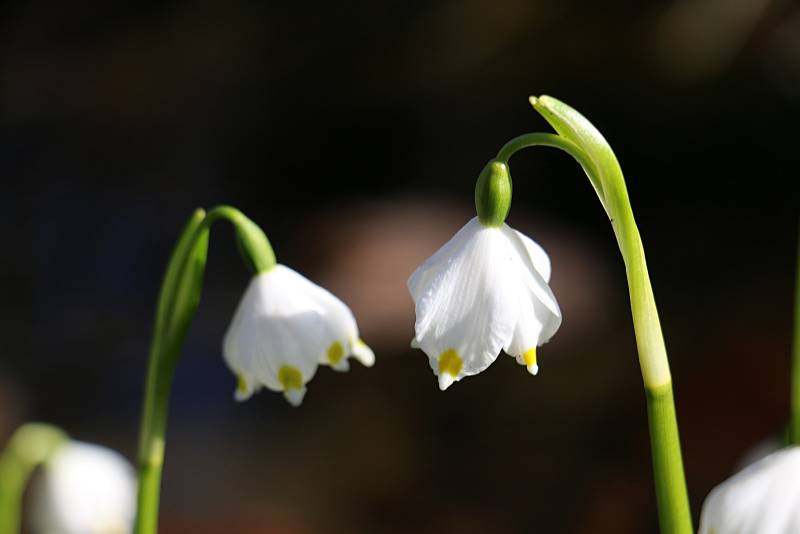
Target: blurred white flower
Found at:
284, 327
483, 291
84, 489
764, 498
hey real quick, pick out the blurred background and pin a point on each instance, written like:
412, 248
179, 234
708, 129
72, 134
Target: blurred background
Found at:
353, 133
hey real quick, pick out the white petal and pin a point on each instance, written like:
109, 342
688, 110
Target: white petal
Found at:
762, 498
295, 396
540, 316
419, 278
528, 271
467, 299
445, 380
341, 328
535, 326
275, 325
245, 387
341, 366
527, 331
536, 254
363, 353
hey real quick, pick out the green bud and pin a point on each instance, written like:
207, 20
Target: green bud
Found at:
493, 193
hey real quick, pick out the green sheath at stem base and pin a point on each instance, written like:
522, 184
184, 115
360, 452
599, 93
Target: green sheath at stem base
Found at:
674, 515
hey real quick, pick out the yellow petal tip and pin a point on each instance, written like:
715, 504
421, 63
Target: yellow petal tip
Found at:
529, 357
335, 353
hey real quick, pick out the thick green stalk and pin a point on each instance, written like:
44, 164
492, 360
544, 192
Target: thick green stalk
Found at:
177, 304
795, 425
30, 446
674, 514
583, 142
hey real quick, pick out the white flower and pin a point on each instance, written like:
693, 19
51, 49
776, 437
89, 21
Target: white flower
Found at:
84, 489
763, 498
284, 327
483, 291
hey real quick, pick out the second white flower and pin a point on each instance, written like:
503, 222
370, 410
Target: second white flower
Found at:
285, 326
484, 291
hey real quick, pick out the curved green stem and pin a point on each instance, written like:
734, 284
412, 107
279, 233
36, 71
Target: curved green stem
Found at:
652, 352
555, 141
795, 424
30, 446
583, 142
177, 303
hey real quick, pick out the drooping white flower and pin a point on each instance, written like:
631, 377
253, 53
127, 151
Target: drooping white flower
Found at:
284, 327
84, 489
484, 291
763, 498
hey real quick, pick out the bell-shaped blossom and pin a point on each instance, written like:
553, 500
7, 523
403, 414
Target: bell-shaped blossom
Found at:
763, 498
84, 489
484, 291
284, 328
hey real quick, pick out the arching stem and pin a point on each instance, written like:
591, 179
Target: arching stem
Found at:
583, 142
177, 304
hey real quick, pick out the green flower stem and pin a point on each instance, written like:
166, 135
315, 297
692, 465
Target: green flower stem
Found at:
583, 142
795, 425
30, 446
177, 303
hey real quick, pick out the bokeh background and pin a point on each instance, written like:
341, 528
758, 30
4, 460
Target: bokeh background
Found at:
353, 133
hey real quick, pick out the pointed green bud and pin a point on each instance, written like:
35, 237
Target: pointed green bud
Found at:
493, 193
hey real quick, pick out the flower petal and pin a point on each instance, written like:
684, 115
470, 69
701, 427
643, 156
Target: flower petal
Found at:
536, 254
466, 301
342, 331
763, 497
540, 315
276, 325
295, 396
363, 353
529, 254
422, 275
535, 326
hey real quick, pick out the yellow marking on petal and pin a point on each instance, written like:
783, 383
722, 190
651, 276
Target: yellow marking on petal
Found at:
530, 357
290, 377
335, 352
241, 384
450, 362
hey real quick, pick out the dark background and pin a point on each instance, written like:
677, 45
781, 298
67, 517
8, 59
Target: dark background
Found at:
353, 133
